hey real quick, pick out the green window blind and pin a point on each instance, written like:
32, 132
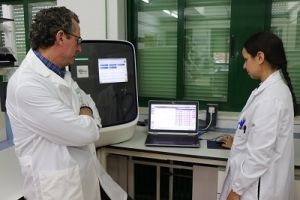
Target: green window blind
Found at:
285, 22
206, 27
20, 32
157, 48
33, 8
186, 55
207, 30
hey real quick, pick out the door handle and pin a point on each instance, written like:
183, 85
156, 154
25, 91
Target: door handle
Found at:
232, 46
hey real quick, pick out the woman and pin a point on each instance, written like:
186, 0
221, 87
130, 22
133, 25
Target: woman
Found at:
261, 161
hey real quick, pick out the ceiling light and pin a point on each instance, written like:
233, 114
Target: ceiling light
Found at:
168, 12
174, 15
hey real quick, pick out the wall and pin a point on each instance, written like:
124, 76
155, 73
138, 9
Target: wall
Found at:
99, 19
11, 178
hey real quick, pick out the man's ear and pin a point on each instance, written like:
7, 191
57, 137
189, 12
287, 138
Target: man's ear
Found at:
59, 36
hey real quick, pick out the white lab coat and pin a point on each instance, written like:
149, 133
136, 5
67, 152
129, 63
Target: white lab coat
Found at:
265, 151
54, 144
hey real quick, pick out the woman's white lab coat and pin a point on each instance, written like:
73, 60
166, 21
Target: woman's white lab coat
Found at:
54, 144
261, 162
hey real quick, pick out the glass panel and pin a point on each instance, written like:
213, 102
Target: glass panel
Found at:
18, 16
20, 28
33, 8
157, 48
2, 38
207, 31
20, 32
285, 23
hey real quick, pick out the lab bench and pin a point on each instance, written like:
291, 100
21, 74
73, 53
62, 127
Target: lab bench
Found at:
206, 166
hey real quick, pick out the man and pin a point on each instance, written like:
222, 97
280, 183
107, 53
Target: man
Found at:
54, 123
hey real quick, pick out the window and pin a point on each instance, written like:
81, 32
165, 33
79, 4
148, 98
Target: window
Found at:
284, 23
206, 59
20, 32
33, 8
191, 50
157, 48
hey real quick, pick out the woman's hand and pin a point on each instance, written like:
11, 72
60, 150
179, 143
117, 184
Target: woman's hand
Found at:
228, 139
233, 196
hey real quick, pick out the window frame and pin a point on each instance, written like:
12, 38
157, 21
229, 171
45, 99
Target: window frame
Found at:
240, 84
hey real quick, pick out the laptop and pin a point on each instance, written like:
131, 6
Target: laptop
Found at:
173, 123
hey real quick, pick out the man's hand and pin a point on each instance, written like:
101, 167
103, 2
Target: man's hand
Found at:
233, 196
86, 111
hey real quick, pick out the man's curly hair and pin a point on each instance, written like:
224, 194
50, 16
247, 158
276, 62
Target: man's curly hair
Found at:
47, 23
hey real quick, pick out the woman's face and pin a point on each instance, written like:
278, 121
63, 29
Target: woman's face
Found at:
252, 64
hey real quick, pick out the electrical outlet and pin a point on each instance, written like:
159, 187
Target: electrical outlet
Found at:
211, 108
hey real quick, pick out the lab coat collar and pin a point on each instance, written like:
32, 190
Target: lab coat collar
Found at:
276, 76
39, 67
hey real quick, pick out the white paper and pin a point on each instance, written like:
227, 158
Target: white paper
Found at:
82, 71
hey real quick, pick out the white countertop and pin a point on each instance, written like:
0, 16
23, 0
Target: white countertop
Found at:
138, 139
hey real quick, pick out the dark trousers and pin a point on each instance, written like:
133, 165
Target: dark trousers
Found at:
105, 197
103, 194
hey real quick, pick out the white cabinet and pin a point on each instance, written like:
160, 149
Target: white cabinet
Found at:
221, 178
205, 180
11, 178
117, 169
297, 187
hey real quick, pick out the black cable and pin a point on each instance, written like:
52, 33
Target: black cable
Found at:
214, 139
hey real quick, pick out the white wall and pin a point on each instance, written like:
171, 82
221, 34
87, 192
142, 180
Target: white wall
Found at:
11, 178
99, 19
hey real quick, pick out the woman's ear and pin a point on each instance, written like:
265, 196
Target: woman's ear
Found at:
260, 57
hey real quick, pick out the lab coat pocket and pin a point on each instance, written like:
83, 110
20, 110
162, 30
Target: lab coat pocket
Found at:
25, 162
62, 184
240, 137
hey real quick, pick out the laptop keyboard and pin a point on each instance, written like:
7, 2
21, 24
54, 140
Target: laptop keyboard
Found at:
177, 140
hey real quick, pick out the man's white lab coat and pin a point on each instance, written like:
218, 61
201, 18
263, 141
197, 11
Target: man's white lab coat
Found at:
54, 144
261, 160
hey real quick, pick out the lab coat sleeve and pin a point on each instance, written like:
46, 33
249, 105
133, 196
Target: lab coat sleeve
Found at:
87, 100
42, 112
260, 144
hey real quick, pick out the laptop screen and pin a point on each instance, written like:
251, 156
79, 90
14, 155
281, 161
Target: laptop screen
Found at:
173, 116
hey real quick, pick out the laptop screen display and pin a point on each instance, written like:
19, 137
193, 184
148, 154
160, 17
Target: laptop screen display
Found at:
173, 116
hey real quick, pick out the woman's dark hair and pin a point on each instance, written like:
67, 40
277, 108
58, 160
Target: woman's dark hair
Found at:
271, 45
47, 23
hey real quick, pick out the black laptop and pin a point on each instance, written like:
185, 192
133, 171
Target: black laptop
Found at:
173, 123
